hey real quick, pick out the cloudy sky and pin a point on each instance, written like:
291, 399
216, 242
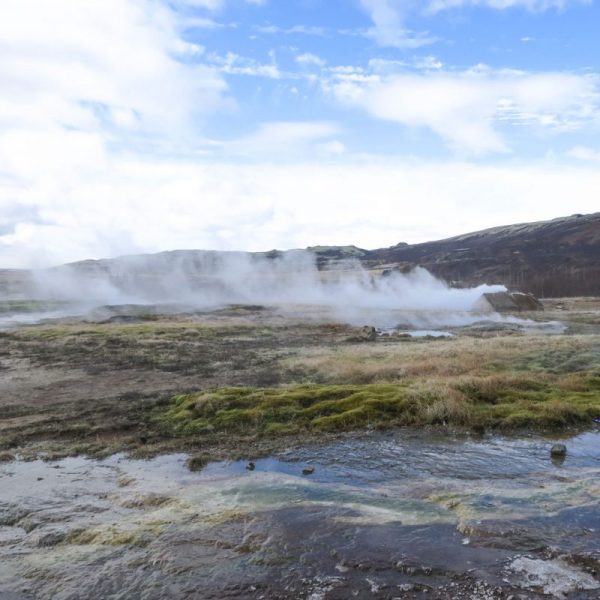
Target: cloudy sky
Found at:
133, 126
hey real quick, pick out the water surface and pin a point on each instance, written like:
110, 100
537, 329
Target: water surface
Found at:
407, 514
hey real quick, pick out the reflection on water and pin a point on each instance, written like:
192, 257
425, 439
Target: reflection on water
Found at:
381, 516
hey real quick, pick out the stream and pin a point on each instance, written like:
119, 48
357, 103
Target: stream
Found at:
400, 515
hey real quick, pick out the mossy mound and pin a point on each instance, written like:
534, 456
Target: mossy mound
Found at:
490, 402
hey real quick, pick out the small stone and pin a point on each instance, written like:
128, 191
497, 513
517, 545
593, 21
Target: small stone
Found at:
308, 470
250, 466
558, 450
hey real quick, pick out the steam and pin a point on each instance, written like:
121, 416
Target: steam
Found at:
204, 280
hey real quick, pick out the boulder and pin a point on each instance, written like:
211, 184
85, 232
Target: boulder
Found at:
368, 333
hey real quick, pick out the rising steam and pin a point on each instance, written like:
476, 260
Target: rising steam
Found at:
205, 280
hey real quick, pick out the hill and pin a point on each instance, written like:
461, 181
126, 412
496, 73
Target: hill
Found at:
560, 257
553, 258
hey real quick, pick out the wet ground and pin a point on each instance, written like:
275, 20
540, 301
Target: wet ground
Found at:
403, 514
398, 515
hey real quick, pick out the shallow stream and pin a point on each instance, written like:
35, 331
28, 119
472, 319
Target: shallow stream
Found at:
402, 515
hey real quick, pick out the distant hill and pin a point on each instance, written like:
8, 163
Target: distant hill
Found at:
560, 257
553, 258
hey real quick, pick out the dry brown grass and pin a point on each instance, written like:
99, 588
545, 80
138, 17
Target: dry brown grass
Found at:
443, 358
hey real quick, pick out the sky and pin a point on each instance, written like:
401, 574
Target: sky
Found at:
134, 126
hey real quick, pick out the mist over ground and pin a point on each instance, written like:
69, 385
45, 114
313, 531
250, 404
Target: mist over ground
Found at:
206, 279
184, 281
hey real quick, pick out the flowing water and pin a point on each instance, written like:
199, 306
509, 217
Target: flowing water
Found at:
402, 515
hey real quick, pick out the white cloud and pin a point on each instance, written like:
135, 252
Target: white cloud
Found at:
99, 143
111, 67
214, 5
389, 28
387, 66
468, 109
234, 64
307, 58
532, 5
208, 4
109, 206
585, 153
390, 17
276, 141
295, 29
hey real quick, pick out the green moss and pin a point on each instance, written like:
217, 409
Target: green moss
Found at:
280, 429
480, 402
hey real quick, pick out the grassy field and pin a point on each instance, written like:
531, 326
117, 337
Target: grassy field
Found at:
246, 382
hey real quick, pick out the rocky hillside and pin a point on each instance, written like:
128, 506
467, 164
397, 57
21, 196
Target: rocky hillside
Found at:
560, 257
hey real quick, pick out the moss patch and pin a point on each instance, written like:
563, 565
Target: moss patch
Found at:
489, 402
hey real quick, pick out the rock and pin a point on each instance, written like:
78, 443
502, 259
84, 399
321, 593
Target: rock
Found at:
308, 470
558, 450
250, 466
368, 333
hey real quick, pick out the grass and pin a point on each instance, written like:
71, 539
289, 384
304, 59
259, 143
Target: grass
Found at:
185, 348
495, 402
267, 384
29, 306
396, 362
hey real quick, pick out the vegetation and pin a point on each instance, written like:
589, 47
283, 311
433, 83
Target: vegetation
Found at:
29, 306
487, 402
396, 362
253, 381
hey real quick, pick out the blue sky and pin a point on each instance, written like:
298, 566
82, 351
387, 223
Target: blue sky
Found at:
144, 125
300, 46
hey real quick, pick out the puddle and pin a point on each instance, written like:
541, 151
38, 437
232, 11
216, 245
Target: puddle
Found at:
418, 333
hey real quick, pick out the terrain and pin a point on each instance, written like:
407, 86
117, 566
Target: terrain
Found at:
553, 258
367, 434
263, 375
288, 451
264, 451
